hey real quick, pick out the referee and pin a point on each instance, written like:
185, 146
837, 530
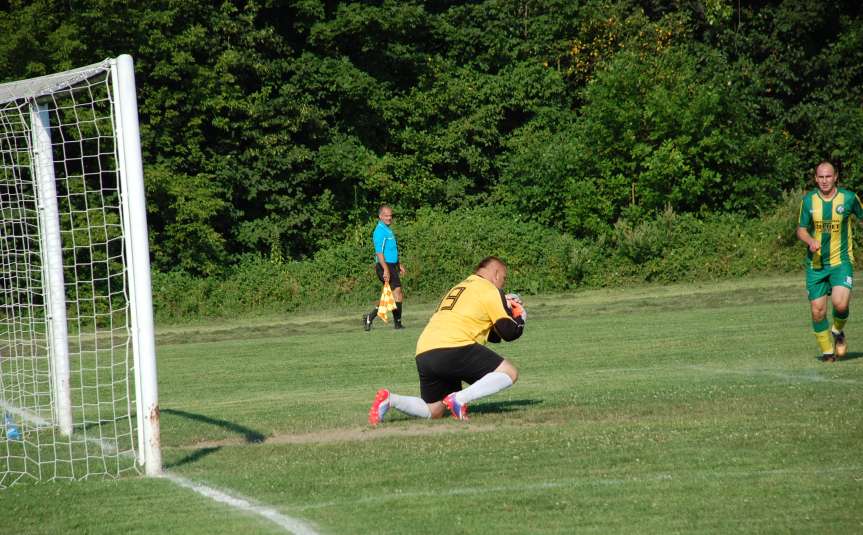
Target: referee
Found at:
387, 265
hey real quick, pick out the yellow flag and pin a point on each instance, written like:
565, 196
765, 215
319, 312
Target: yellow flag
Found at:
387, 302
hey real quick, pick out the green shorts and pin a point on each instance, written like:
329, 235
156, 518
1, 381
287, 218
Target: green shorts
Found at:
819, 282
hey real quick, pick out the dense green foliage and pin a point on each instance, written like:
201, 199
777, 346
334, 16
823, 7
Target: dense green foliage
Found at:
440, 249
272, 128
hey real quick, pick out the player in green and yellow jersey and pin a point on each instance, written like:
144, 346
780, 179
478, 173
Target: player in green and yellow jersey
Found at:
824, 226
452, 350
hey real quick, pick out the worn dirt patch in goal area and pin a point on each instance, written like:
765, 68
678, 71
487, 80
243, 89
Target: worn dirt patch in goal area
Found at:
359, 434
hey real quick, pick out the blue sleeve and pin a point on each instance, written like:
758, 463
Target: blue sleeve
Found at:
378, 238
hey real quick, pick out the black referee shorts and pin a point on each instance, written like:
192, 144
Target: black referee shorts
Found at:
443, 370
395, 281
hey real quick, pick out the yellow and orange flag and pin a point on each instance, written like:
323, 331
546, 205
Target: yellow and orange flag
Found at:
386, 303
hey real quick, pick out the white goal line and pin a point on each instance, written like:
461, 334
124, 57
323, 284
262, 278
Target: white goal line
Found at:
34, 419
234, 500
292, 525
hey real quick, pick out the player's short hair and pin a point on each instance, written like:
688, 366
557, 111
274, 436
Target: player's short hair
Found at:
826, 162
488, 261
382, 207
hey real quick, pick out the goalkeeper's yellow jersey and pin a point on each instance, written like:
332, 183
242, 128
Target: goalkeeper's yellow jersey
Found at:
465, 316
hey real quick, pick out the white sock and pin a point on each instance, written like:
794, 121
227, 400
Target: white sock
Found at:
487, 385
410, 405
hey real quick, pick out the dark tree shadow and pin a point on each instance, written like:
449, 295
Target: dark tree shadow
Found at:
503, 406
249, 435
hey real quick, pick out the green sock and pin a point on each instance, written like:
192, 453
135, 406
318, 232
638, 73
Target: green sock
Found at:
839, 320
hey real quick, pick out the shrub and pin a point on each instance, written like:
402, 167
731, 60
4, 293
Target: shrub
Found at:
440, 248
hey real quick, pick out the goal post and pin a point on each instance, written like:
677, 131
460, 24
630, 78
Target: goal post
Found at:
78, 377
52, 265
138, 251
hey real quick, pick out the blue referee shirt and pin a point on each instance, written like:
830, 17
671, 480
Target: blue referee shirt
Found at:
385, 242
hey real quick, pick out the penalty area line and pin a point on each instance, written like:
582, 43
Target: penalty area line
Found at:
292, 525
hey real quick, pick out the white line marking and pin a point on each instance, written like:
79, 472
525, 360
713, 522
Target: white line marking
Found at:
36, 421
25, 414
292, 525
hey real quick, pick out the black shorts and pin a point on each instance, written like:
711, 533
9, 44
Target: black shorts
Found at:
443, 370
395, 281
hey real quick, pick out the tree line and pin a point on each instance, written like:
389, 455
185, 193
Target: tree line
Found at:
272, 129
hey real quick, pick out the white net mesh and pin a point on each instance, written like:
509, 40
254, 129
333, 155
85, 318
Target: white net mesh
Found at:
95, 285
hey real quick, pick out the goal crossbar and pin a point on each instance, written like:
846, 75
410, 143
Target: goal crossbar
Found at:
48, 84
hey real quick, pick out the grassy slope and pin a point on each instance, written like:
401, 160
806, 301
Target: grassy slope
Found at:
651, 410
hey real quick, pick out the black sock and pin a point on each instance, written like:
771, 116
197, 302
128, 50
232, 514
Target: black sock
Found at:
373, 314
397, 313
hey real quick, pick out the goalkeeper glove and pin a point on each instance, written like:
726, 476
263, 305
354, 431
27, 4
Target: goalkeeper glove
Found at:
516, 305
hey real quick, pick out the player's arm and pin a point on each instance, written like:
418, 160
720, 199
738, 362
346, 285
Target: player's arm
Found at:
508, 329
857, 209
505, 327
804, 236
380, 241
804, 219
384, 265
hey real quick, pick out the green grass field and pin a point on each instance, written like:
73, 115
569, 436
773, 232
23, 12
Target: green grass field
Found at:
677, 409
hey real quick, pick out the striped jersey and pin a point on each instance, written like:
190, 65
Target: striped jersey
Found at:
829, 222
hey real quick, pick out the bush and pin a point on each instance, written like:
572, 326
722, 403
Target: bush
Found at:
440, 248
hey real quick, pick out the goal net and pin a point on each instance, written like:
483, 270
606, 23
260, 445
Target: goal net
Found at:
77, 362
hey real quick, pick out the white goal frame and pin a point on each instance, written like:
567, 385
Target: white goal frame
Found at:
125, 144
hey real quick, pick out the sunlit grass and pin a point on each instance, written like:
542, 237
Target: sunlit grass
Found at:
680, 409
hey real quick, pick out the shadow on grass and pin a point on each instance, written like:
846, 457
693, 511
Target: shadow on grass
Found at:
848, 356
192, 457
249, 435
503, 406
88, 426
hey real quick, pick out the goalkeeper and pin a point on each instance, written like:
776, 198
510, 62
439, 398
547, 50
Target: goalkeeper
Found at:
825, 227
451, 348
